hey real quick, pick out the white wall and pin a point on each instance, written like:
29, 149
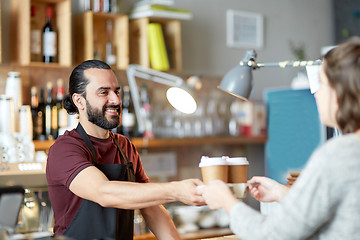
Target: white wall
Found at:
204, 38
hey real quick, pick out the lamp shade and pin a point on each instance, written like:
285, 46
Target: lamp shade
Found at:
181, 100
238, 82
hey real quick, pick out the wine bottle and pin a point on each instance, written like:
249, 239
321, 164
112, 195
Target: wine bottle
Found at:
50, 114
49, 39
128, 115
40, 119
34, 103
35, 37
62, 115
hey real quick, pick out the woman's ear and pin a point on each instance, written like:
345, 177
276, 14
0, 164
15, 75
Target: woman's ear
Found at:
79, 101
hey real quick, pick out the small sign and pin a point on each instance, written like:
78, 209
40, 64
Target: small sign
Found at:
244, 29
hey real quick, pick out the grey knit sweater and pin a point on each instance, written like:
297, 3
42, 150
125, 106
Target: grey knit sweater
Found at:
324, 202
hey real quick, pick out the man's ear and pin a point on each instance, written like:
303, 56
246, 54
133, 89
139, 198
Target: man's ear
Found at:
79, 101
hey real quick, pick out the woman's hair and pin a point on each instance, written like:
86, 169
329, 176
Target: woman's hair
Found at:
78, 83
342, 68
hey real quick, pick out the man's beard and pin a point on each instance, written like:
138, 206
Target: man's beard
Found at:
98, 118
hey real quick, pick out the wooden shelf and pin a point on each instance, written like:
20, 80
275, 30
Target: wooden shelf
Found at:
43, 145
90, 34
139, 44
183, 142
20, 29
177, 142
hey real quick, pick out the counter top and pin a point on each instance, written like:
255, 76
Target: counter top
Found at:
206, 233
229, 237
211, 233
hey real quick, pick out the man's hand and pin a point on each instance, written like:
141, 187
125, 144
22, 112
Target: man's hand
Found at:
186, 193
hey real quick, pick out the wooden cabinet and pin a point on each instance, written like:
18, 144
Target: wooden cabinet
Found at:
139, 44
91, 36
20, 29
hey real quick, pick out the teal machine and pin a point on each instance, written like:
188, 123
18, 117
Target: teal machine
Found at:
294, 131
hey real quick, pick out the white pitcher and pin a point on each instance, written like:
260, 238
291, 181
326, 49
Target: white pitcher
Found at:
13, 89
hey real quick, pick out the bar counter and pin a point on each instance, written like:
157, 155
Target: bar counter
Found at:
230, 237
211, 234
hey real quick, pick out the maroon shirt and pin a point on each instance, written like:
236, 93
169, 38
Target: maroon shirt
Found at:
68, 156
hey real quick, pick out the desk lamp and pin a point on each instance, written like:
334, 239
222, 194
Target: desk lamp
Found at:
239, 81
179, 98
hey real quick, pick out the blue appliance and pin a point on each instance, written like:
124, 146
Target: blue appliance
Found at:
294, 131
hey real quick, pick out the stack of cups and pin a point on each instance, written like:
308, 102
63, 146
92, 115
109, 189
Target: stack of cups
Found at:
232, 171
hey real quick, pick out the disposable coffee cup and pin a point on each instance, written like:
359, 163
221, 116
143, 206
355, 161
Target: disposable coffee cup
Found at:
240, 190
237, 169
213, 168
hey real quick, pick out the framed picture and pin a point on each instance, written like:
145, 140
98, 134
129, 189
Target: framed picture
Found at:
244, 29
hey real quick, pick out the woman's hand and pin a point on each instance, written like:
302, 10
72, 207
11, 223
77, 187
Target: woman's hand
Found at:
218, 195
265, 189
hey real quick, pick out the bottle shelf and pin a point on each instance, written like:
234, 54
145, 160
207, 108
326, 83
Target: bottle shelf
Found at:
91, 36
177, 142
184, 142
20, 30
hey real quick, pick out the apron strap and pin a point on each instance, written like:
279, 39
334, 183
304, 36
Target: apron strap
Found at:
86, 139
129, 165
120, 149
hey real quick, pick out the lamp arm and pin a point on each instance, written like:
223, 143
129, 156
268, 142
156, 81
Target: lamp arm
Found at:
140, 118
156, 76
255, 65
133, 71
284, 64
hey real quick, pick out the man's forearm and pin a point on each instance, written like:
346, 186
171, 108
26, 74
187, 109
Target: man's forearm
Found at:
91, 184
129, 195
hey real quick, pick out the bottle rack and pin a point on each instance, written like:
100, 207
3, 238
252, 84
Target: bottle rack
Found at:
90, 31
20, 29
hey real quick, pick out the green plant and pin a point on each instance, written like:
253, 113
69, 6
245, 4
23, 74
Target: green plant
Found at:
298, 50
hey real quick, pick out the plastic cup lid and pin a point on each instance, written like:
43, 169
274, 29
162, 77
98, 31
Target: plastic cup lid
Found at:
237, 161
212, 161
